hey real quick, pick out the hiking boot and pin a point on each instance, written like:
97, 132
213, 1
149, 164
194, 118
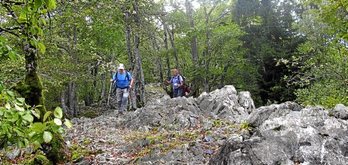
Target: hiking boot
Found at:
120, 112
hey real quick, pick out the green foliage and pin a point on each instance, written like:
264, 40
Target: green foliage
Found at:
321, 73
238, 42
7, 51
18, 127
327, 94
269, 36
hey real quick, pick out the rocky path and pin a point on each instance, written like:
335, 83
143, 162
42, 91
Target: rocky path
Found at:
221, 127
105, 140
101, 138
176, 131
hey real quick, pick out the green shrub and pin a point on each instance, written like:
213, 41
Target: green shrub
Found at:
18, 127
327, 94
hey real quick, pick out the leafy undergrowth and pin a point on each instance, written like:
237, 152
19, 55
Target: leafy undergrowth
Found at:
78, 153
30, 135
28, 159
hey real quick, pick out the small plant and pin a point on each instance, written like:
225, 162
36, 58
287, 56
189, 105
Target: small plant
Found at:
245, 126
217, 123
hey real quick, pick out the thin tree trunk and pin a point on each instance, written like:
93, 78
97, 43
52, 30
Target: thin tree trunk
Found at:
175, 51
63, 102
95, 75
194, 48
128, 39
165, 39
128, 30
207, 50
140, 78
72, 97
158, 59
103, 87
223, 75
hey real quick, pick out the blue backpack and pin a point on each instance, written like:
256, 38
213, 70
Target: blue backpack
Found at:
115, 83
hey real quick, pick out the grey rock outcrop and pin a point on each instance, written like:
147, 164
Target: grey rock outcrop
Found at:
226, 103
220, 127
286, 134
162, 111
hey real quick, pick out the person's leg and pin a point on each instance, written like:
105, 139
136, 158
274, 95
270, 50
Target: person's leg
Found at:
125, 95
119, 95
175, 94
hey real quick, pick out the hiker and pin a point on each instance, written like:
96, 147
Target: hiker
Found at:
177, 82
122, 81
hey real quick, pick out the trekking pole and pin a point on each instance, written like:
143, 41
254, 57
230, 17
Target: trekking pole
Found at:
108, 102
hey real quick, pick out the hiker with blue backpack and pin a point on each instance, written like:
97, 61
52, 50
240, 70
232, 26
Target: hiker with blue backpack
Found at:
177, 82
123, 82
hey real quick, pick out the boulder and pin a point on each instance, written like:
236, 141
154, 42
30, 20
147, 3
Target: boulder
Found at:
226, 103
258, 116
245, 100
165, 112
340, 111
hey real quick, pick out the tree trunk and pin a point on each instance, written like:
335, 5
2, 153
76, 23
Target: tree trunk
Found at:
175, 51
63, 102
194, 48
128, 39
165, 39
103, 87
140, 77
128, 30
31, 89
72, 99
207, 50
158, 59
223, 75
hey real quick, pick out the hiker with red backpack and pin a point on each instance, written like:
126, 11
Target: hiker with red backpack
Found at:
122, 81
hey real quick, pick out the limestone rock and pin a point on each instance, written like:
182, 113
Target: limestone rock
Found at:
283, 134
340, 111
225, 103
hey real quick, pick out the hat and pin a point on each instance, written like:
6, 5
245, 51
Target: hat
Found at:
121, 66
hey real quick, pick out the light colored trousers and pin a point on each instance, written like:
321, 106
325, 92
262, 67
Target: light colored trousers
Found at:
122, 99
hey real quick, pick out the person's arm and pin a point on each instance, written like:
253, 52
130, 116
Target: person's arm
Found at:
181, 81
168, 81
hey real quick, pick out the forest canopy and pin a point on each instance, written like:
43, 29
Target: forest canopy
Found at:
66, 51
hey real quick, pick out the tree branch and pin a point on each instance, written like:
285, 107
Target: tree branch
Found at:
222, 15
13, 2
10, 30
9, 9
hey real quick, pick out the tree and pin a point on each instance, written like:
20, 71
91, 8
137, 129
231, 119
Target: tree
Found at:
25, 21
270, 37
322, 67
